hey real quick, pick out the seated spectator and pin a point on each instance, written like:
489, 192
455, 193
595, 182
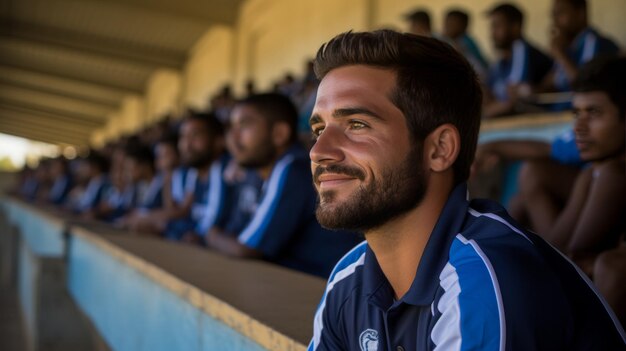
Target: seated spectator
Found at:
419, 22
283, 228
455, 32
139, 163
201, 147
62, 181
94, 171
593, 218
574, 42
151, 214
520, 66
119, 196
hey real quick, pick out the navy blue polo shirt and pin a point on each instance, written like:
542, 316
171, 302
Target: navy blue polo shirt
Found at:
482, 284
284, 227
244, 203
527, 64
587, 45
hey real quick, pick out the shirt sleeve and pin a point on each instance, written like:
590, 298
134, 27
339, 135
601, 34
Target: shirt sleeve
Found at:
281, 210
564, 150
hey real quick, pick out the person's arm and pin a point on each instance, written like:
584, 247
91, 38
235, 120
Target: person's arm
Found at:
220, 241
567, 220
602, 212
558, 47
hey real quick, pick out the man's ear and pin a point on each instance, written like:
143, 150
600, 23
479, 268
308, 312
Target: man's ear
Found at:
281, 132
441, 148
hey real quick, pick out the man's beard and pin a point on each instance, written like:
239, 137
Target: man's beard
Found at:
374, 204
262, 154
199, 161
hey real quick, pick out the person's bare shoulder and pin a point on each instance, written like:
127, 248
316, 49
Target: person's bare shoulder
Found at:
610, 170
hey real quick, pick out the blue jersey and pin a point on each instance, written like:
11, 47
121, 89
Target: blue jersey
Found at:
564, 150
482, 284
93, 194
527, 64
246, 198
119, 201
284, 227
208, 194
150, 194
60, 189
587, 45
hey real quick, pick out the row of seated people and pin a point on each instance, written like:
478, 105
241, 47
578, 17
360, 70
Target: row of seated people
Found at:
522, 70
572, 191
245, 192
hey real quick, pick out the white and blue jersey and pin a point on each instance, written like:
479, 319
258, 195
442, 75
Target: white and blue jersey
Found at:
244, 203
284, 227
482, 284
150, 194
527, 64
93, 194
208, 193
60, 189
587, 45
119, 201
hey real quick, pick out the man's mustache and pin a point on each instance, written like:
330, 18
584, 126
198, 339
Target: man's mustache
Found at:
338, 169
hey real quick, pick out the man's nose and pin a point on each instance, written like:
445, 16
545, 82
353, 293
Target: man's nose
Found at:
328, 146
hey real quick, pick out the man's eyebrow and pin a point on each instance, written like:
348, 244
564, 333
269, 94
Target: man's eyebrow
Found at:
349, 111
345, 112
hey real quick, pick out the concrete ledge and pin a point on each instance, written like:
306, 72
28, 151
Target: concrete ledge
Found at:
165, 290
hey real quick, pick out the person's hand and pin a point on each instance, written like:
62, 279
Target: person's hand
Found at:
558, 44
191, 238
233, 172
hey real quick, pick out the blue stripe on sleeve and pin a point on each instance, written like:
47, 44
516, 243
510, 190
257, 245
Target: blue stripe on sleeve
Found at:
472, 314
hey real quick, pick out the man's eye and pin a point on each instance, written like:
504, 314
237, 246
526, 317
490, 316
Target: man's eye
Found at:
316, 132
357, 125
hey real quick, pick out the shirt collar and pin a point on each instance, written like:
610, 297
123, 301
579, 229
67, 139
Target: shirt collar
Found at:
434, 258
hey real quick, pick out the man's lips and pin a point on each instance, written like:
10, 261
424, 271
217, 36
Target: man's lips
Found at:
332, 179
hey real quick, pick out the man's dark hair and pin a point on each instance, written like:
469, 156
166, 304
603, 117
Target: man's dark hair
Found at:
141, 154
460, 15
511, 12
170, 138
98, 160
420, 15
606, 74
275, 107
215, 128
578, 4
435, 84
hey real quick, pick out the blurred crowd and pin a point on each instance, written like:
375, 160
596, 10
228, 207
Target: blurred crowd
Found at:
237, 178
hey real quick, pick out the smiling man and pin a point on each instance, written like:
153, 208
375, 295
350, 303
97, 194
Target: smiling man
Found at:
396, 121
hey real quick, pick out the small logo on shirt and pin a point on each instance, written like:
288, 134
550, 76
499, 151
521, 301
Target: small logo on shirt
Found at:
369, 340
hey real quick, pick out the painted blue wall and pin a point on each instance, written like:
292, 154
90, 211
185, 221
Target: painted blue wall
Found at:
134, 313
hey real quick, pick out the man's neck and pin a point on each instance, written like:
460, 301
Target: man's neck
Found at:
400, 243
203, 171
